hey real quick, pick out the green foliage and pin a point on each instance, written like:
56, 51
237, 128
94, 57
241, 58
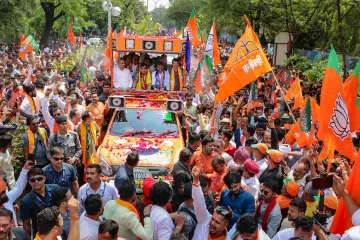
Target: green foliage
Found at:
17, 147
146, 27
132, 11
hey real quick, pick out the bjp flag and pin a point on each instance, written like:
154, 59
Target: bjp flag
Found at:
295, 92
352, 98
246, 63
28, 45
191, 29
342, 219
334, 117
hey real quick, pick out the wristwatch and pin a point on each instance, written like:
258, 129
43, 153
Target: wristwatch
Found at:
146, 215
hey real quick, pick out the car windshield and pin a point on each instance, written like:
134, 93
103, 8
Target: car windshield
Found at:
144, 121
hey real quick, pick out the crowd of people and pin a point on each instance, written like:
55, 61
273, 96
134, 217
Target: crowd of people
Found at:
237, 178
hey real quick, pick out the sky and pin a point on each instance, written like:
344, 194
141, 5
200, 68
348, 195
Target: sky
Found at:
158, 3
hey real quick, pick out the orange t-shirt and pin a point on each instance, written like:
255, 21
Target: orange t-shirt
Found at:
199, 159
217, 181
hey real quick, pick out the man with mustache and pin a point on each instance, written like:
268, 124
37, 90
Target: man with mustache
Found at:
95, 186
7, 232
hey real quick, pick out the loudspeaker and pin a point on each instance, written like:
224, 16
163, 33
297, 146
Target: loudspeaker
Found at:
148, 45
116, 102
174, 106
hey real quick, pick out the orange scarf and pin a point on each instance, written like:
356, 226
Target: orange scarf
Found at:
172, 78
128, 206
32, 103
32, 139
236, 235
37, 237
86, 154
56, 127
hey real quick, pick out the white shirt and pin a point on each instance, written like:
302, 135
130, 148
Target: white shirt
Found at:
15, 193
352, 234
286, 234
162, 224
228, 159
262, 165
355, 218
89, 228
106, 191
91, 72
254, 186
202, 215
62, 105
6, 168
122, 78
163, 75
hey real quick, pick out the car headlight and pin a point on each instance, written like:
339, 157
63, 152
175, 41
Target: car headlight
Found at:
107, 170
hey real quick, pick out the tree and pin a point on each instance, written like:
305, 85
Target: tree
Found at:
55, 9
146, 27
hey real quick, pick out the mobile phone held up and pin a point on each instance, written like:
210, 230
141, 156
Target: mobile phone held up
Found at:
322, 182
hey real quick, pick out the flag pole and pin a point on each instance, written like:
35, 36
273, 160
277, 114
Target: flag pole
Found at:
283, 95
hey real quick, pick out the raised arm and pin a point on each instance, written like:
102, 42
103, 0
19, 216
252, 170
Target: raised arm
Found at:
201, 212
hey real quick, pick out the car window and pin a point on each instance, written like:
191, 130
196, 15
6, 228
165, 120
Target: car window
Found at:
156, 121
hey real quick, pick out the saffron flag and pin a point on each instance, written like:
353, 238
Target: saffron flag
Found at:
246, 63
342, 219
334, 117
197, 78
294, 92
212, 53
81, 39
109, 54
191, 29
22, 37
352, 98
28, 45
69, 31
122, 32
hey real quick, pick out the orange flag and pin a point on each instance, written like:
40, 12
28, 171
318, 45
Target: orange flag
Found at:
81, 39
334, 117
192, 30
197, 79
352, 98
71, 35
246, 63
295, 92
315, 110
300, 137
342, 219
109, 54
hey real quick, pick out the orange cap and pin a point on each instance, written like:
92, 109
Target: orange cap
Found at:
275, 155
292, 188
262, 147
2, 185
331, 202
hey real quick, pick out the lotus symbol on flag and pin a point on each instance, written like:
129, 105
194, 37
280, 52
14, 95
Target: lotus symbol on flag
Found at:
339, 122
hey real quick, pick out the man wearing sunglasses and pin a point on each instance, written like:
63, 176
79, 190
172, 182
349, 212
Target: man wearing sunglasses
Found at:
35, 201
209, 226
268, 211
60, 173
35, 143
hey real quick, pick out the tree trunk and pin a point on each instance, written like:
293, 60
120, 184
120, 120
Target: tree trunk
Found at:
341, 38
50, 18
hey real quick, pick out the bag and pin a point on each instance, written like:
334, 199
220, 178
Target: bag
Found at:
192, 215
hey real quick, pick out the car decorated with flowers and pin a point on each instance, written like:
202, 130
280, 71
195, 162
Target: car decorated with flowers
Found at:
146, 122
